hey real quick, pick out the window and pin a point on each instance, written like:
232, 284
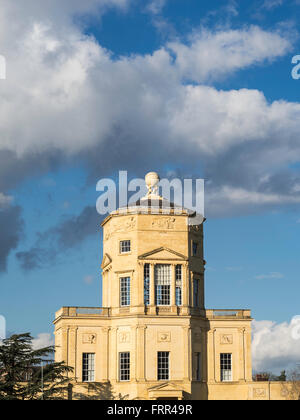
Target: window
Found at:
195, 248
147, 284
163, 365
125, 246
196, 293
226, 367
162, 284
178, 283
198, 367
124, 363
125, 291
88, 367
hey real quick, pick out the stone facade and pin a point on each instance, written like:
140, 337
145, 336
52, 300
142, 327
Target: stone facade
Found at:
157, 311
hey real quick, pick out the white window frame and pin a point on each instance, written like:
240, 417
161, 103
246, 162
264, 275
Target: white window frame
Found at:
160, 368
225, 372
124, 370
164, 281
125, 291
125, 246
88, 367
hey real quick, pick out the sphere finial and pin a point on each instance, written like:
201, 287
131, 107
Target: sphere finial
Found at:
152, 179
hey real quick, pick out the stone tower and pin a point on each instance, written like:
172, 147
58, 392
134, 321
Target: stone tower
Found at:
153, 337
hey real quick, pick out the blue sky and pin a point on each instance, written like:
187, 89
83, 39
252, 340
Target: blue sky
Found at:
183, 87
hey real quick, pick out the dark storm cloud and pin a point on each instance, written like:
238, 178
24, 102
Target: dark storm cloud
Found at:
11, 228
58, 239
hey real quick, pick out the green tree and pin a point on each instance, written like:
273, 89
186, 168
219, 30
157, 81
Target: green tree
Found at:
28, 374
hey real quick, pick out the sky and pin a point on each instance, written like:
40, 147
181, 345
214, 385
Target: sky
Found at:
186, 88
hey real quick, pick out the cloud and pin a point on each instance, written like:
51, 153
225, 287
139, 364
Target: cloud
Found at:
5, 200
272, 4
64, 236
211, 55
270, 276
74, 101
273, 347
156, 6
42, 340
11, 231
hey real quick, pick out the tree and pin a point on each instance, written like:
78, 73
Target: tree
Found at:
291, 389
99, 391
22, 375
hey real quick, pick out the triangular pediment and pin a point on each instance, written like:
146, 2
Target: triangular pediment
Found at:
166, 386
162, 254
106, 261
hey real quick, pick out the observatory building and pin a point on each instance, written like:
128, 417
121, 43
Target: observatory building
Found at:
153, 338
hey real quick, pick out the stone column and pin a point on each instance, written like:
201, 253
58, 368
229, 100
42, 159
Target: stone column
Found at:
105, 362
72, 349
187, 362
140, 355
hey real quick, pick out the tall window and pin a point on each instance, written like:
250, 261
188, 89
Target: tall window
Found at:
147, 284
163, 365
88, 367
124, 363
198, 367
195, 248
162, 284
178, 282
125, 246
196, 292
125, 291
226, 367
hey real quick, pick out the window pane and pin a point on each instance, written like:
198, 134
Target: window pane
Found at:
125, 246
125, 291
178, 282
162, 284
88, 367
226, 367
147, 284
198, 367
196, 293
163, 365
124, 361
195, 248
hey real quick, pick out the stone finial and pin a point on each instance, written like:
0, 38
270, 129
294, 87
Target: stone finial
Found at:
152, 179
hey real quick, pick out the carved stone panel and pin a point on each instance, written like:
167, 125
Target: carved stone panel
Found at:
226, 339
89, 338
124, 337
259, 393
164, 337
164, 223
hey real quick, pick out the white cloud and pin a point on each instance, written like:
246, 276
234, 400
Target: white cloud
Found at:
65, 93
156, 6
211, 55
42, 340
270, 276
273, 346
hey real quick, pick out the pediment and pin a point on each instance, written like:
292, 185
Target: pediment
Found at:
106, 261
162, 253
166, 386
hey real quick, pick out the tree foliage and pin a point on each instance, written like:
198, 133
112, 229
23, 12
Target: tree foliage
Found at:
28, 374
